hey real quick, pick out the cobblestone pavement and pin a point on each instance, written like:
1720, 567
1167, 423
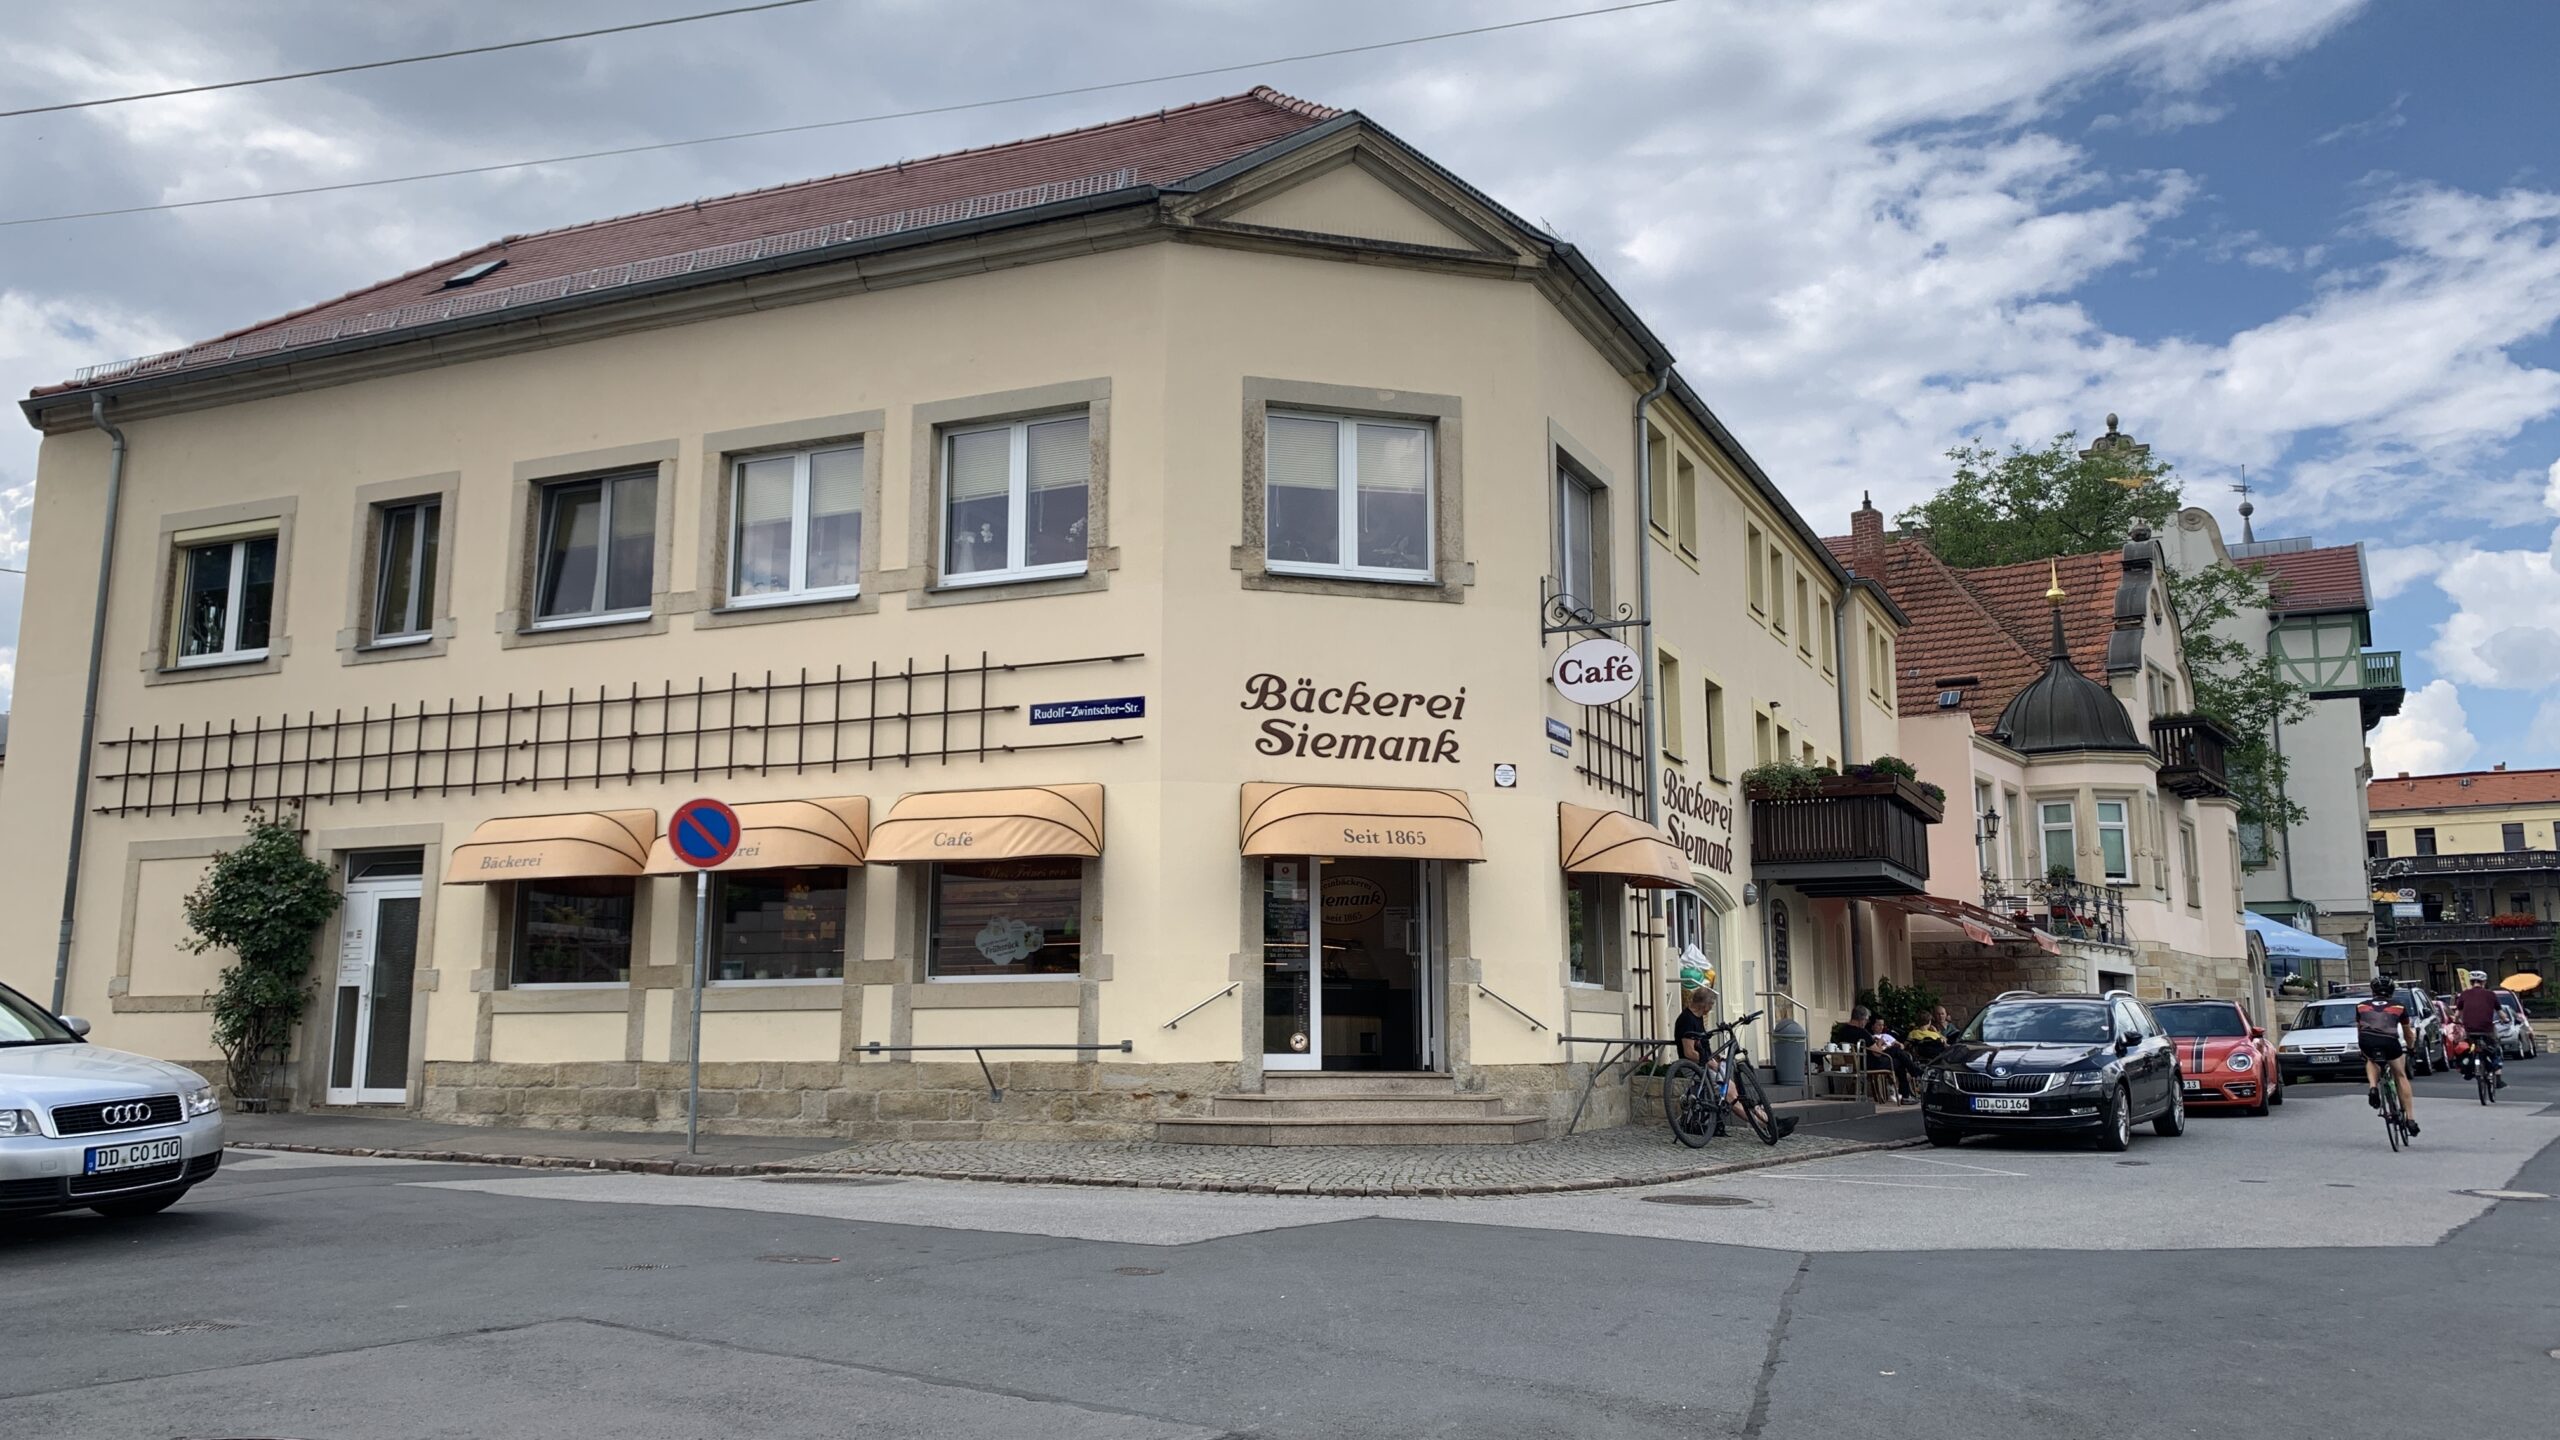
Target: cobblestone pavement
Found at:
1594, 1160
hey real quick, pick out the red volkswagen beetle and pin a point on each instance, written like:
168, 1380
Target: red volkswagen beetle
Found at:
2223, 1056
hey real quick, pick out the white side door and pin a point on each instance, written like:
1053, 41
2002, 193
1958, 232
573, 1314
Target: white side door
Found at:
371, 1000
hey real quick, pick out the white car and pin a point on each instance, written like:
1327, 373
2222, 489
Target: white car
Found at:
85, 1127
2321, 1044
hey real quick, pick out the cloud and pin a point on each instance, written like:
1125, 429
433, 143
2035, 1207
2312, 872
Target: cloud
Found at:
2430, 735
2388, 119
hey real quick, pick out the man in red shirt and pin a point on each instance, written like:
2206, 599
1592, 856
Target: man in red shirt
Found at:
2384, 1034
2478, 1007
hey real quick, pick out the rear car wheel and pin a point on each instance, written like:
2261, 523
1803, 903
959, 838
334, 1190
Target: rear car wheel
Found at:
2173, 1121
1943, 1136
138, 1206
2116, 1133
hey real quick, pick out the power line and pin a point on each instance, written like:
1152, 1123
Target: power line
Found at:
1333, 53
402, 60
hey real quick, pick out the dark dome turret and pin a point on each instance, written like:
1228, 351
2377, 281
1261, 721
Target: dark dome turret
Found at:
2063, 709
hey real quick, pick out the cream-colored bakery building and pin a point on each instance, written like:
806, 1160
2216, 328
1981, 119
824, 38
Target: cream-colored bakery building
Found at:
1114, 578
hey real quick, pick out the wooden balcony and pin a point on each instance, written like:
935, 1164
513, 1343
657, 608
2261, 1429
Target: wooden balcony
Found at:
1856, 837
2192, 750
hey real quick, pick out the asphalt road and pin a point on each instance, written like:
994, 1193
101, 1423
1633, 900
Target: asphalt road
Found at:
2278, 1276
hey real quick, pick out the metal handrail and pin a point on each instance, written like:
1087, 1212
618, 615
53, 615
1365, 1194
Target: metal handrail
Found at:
1790, 999
1203, 1005
1534, 1022
994, 1091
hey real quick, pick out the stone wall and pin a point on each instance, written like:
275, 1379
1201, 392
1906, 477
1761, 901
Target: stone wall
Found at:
1968, 977
2174, 974
1043, 1100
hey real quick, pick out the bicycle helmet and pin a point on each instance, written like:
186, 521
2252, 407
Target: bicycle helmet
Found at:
2479, 977
2383, 985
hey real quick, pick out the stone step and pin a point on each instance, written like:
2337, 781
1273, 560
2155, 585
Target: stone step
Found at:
1315, 1130
1392, 1104
1357, 1082
1823, 1111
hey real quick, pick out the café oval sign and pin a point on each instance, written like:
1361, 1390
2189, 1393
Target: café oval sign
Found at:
1596, 672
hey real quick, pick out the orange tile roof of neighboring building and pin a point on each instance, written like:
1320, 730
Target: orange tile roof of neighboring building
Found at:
1167, 146
2467, 789
2302, 581
1991, 622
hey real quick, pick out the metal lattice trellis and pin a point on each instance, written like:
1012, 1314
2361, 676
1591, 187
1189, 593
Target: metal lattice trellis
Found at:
796, 722
1613, 750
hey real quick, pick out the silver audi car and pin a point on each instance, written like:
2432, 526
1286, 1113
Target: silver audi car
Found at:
82, 1126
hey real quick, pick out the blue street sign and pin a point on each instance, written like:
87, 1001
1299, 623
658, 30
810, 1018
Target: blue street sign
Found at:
703, 833
1069, 712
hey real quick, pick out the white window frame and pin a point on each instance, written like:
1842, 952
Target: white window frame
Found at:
1346, 480
1986, 847
606, 486
230, 653
802, 462
2045, 830
421, 583
2123, 826
1573, 487
1017, 482
2191, 857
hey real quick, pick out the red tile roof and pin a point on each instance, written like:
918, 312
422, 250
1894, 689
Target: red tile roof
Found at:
1991, 622
1157, 149
2477, 787
2302, 581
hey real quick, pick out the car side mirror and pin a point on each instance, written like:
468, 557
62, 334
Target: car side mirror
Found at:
2127, 1041
75, 1025
2257, 1032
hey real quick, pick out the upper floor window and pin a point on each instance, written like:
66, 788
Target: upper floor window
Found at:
2187, 862
1014, 499
1829, 660
2513, 836
1715, 729
795, 526
1578, 531
1347, 496
1675, 724
1778, 589
2376, 845
2060, 845
1755, 562
226, 600
1804, 617
404, 581
599, 549
1686, 493
2426, 840
1985, 821
2114, 840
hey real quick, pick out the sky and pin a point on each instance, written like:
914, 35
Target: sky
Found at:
2318, 239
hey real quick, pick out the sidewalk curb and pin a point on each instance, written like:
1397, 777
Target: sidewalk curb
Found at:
1228, 1187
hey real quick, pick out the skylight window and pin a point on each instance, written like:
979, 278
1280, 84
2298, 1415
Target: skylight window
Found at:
470, 273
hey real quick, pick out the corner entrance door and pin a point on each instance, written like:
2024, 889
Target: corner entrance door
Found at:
1348, 978
377, 970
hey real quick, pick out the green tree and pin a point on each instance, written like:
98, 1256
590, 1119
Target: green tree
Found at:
2002, 509
264, 902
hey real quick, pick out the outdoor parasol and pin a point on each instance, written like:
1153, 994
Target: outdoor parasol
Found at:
2521, 983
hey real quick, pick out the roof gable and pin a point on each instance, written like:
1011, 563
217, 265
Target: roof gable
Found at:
2463, 790
2326, 579
1992, 622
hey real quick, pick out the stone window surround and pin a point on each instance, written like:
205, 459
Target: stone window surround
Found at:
120, 997
524, 532
355, 644
1452, 573
1612, 936
913, 990
921, 578
158, 662
720, 454
1563, 449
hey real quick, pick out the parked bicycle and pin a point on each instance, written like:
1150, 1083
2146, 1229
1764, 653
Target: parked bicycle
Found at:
1696, 1097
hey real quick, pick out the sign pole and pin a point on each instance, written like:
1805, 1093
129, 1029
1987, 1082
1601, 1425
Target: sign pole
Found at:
701, 947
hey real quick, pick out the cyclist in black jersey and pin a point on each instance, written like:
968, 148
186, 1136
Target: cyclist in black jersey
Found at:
2385, 1035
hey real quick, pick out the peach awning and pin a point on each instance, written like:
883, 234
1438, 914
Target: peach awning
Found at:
1613, 842
965, 825
1359, 820
779, 834
543, 847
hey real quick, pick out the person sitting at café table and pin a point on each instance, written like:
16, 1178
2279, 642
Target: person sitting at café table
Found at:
1887, 1053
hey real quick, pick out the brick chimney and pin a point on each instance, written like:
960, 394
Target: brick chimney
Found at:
1866, 540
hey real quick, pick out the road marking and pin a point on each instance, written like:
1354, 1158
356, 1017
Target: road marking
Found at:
1954, 1164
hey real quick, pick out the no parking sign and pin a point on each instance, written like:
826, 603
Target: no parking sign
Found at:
703, 833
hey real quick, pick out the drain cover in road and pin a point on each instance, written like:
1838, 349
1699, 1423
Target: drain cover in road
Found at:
1134, 1270
1719, 1201
797, 1259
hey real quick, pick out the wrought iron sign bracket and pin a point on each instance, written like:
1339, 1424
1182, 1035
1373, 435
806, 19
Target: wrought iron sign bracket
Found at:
1563, 614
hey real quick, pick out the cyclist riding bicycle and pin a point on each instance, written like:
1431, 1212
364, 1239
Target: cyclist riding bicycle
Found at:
2478, 1007
1692, 1032
2384, 1033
